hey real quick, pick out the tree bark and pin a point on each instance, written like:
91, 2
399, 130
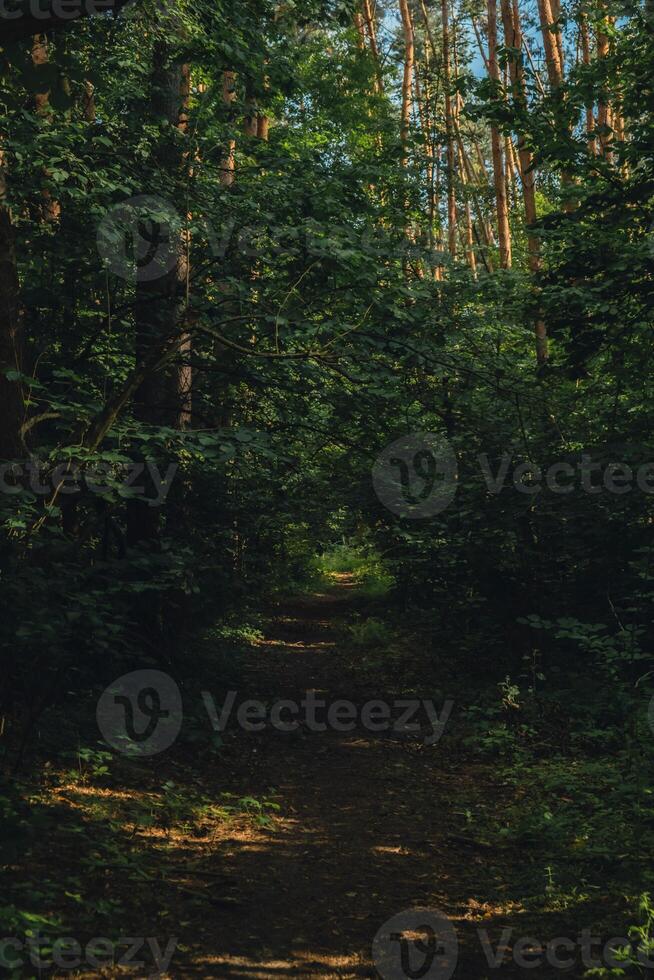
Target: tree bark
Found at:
552, 43
604, 107
449, 132
371, 29
503, 229
39, 54
585, 55
407, 80
227, 167
513, 39
12, 408
164, 396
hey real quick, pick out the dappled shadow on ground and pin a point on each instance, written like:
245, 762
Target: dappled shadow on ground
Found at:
369, 826
367, 830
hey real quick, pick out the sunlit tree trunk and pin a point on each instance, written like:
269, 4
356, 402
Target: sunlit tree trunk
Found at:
424, 111
585, 54
449, 131
604, 107
513, 39
407, 80
551, 43
499, 177
469, 237
228, 163
39, 54
371, 29
361, 30
473, 183
88, 102
467, 232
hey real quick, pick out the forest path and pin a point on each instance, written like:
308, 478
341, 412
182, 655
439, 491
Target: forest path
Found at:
365, 827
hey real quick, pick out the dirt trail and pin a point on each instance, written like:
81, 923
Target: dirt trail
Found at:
364, 832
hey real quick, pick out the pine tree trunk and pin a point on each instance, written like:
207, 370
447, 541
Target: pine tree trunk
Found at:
361, 30
585, 54
513, 39
407, 80
88, 102
39, 54
551, 44
164, 397
604, 108
228, 163
371, 30
449, 132
503, 229
12, 408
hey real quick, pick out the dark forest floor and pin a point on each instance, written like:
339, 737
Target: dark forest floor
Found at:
330, 835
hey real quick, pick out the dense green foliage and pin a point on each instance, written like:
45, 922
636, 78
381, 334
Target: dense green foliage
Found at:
317, 340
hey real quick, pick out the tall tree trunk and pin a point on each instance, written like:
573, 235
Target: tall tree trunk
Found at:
604, 107
228, 163
183, 375
39, 58
551, 43
256, 123
467, 234
503, 229
424, 110
369, 21
361, 30
473, 183
12, 408
510, 172
407, 104
39, 54
449, 132
88, 102
407, 80
513, 39
585, 54
164, 397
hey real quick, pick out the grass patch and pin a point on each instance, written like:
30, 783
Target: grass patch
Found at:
367, 568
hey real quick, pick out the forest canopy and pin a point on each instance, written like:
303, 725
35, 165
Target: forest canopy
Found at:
337, 287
